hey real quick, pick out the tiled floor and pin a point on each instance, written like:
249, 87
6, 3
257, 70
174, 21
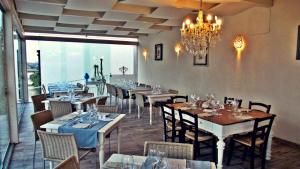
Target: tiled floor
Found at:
134, 133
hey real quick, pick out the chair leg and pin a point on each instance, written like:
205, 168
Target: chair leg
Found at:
245, 153
214, 150
33, 160
109, 144
252, 158
263, 157
44, 164
231, 149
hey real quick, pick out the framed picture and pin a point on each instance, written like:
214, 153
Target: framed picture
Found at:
201, 60
298, 45
158, 51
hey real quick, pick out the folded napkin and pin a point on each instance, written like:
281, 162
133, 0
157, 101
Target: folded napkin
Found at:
185, 108
205, 114
208, 110
243, 117
81, 125
244, 110
68, 117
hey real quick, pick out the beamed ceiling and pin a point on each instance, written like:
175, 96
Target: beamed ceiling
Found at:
130, 18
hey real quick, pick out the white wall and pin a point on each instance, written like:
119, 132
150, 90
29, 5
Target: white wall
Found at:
267, 71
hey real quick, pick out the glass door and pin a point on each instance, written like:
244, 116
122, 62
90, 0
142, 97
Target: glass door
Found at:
4, 124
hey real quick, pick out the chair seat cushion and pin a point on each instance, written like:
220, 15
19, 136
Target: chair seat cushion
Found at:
177, 125
201, 136
246, 140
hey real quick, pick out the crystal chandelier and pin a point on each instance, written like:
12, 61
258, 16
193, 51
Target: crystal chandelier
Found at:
197, 37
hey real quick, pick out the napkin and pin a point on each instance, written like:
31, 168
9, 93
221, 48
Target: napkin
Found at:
204, 114
81, 125
208, 110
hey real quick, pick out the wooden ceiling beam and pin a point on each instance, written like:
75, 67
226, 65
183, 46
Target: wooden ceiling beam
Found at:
264, 3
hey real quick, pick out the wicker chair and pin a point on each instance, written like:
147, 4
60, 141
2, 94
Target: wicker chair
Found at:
172, 150
37, 102
109, 90
172, 127
60, 108
107, 109
69, 163
114, 93
38, 119
88, 102
58, 147
122, 95
140, 102
102, 101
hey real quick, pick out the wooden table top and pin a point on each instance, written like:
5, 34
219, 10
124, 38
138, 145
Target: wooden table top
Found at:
225, 116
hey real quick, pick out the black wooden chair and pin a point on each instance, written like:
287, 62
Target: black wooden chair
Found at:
260, 106
172, 127
258, 138
179, 99
189, 125
227, 100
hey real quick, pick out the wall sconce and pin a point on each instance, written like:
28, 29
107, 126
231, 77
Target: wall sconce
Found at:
177, 49
239, 44
145, 53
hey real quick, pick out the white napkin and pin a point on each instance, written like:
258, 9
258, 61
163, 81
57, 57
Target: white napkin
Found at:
204, 114
208, 110
81, 125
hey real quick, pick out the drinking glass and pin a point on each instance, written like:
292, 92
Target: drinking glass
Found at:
127, 162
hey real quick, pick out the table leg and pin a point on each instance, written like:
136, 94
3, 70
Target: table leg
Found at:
139, 112
101, 150
129, 105
269, 146
119, 138
51, 165
109, 99
150, 111
221, 147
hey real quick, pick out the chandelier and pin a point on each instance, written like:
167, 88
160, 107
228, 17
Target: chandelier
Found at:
197, 37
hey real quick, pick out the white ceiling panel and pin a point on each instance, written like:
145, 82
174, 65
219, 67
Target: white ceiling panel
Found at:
99, 27
113, 32
172, 22
147, 3
138, 24
38, 8
39, 23
169, 13
90, 5
119, 16
149, 31
67, 29
81, 20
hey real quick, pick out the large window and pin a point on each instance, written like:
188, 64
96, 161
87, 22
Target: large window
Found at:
4, 125
69, 61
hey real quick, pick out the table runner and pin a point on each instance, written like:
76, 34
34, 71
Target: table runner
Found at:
85, 137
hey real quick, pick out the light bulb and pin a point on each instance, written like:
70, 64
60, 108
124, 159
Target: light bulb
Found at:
188, 21
209, 17
219, 22
192, 26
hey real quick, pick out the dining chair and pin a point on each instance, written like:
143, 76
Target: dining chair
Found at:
59, 94
38, 119
109, 90
172, 127
102, 100
79, 85
173, 91
260, 106
44, 91
58, 147
69, 163
227, 100
37, 102
114, 93
141, 103
86, 94
107, 109
60, 108
87, 102
189, 124
148, 86
172, 150
122, 95
179, 99
258, 138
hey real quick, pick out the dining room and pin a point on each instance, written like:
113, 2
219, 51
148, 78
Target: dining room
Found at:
138, 84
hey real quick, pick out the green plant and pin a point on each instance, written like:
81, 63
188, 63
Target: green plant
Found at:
35, 78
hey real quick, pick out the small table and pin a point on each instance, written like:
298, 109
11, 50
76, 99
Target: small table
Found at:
223, 125
153, 97
115, 161
114, 124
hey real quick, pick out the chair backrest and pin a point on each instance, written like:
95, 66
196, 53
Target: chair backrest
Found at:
168, 117
148, 86
58, 146
108, 88
172, 150
173, 91
189, 122
228, 100
59, 94
139, 100
40, 118
37, 102
44, 89
60, 108
142, 85
102, 100
120, 93
262, 128
179, 99
86, 94
69, 163
79, 85
90, 101
114, 91
107, 109
260, 106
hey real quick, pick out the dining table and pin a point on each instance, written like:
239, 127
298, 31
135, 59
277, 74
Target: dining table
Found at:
154, 96
113, 124
116, 161
223, 123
